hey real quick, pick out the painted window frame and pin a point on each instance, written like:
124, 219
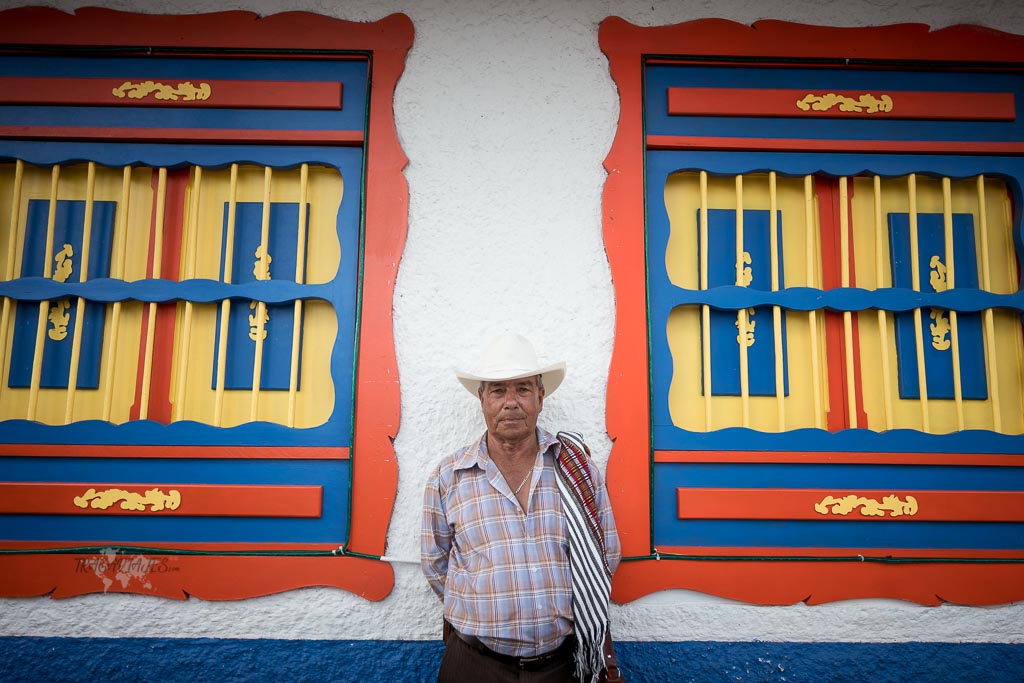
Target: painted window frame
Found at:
766, 575
224, 571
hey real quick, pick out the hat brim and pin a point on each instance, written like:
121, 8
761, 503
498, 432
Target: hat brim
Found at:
551, 377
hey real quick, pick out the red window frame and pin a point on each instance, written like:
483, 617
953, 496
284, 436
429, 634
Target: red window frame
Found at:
829, 575
224, 575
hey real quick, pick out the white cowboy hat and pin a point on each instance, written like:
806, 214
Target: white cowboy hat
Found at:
511, 356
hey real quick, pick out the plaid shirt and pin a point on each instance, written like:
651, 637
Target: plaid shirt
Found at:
503, 576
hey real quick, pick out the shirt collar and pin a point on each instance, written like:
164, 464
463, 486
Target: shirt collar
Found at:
476, 453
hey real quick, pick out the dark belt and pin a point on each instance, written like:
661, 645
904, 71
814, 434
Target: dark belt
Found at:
567, 647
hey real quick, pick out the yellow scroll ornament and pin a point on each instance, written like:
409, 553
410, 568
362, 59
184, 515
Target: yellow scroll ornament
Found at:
865, 104
62, 263
748, 339
257, 328
59, 318
186, 92
869, 507
261, 271
101, 500
940, 328
58, 315
744, 276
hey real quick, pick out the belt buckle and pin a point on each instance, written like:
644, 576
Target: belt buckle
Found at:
528, 661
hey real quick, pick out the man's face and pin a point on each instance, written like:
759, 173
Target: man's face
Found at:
511, 407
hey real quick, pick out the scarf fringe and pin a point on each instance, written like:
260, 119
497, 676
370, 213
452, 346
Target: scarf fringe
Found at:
590, 657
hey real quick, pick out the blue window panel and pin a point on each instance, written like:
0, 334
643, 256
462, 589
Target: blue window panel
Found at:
658, 78
724, 329
829, 531
341, 294
936, 332
277, 343
855, 535
335, 476
669, 476
352, 74
66, 266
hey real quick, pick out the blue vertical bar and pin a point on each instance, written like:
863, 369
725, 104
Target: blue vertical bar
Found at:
277, 344
937, 333
725, 350
65, 267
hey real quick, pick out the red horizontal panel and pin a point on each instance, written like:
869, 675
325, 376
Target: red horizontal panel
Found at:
830, 504
164, 92
222, 135
687, 142
758, 102
814, 582
199, 452
174, 500
845, 457
182, 576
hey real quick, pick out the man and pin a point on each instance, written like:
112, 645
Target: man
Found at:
497, 529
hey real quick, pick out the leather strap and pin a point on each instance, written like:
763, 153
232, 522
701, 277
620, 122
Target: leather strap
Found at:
612, 673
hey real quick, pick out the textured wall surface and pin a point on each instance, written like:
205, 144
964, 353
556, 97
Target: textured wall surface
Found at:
506, 111
200, 660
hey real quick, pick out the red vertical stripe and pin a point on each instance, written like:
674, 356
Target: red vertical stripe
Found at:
828, 197
135, 411
163, 344
839, 418
858, 389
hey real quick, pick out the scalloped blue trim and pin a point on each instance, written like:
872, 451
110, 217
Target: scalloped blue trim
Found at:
198, 290
334, 432
670, 437
732, 297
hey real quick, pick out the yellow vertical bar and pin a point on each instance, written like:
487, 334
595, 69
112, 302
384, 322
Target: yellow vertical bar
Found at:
225, 306
190, 272
1005, 241
705, 310
14, 224
990, 330
883, 318
158, 249
773, 239
844, 255
118, 273
83, 275
947, 218
300, 268
812, 315
741, 315
37, 360
261, 307
13, 247
915, 269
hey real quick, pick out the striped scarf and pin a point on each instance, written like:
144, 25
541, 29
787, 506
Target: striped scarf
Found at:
591, 579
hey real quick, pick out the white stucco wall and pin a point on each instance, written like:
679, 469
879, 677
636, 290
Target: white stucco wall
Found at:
506, 111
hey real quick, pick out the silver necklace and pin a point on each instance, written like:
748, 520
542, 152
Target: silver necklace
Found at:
522, 483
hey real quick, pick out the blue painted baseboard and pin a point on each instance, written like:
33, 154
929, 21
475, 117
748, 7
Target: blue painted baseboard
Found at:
198, 660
